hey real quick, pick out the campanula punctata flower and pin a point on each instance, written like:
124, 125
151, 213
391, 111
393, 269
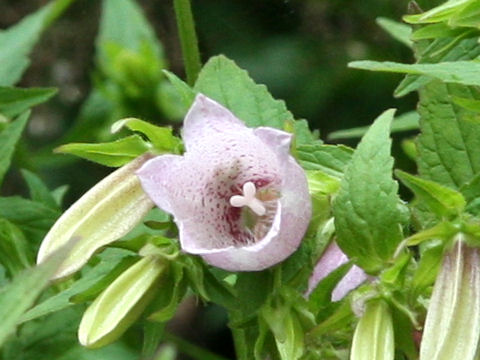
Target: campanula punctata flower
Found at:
238, 197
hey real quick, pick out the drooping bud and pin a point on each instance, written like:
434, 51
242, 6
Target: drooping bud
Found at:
121, 303
104, 214
373, 338
452, 327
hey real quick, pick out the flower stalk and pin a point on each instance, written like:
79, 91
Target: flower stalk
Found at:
188, 39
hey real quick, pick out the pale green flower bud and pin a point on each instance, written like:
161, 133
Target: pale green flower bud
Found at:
104, 214
373, 338
121, 303
452, 327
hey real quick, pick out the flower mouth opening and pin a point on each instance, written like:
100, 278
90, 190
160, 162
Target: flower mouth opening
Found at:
253, 213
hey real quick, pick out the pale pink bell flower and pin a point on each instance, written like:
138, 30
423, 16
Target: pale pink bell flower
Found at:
238, 197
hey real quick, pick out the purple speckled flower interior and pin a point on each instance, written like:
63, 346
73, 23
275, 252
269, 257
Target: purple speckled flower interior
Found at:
238, 197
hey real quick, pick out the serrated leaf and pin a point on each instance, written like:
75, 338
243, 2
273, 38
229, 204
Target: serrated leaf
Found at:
14, 101
440, 200
404, 122
8, 139
364, 233
398, 31
448, 140
115, 153
222, 80
20, 294
17, 42
330, 159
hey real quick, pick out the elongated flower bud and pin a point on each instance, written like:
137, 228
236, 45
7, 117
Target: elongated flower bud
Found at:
121, 303
104, 214
373, 338
452, 327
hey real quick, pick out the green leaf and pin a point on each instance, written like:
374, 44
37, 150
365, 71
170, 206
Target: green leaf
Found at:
373, 338
287, 330
471, 191
14, 101
467, 16
185, 92
222, 80
398, 31
20, 294
252, 290
427, 268
448, 140
440, 200
461, 47
468, 104
115, 153
123, 23
17, 42
167, 301
321, 183
109, 261
404, 122
8, 139
364, 233
454, 72
161, 138
435, 31
440, 13
38, 190
14, 248
330, 159
32, 217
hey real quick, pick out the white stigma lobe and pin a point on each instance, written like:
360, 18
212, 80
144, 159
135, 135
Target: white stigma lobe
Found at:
248, 199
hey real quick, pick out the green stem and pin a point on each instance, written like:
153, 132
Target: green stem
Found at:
188, 39
190, 349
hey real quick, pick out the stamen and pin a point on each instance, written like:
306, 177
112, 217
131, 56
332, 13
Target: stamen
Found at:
248, 199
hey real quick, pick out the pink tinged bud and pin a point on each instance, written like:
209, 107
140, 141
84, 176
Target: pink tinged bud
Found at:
452, 326
331, 259
239, 199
